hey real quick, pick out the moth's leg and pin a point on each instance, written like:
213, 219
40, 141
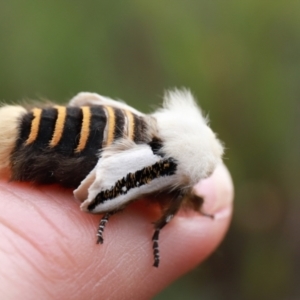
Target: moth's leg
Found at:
101, 226
197, 202
165, 219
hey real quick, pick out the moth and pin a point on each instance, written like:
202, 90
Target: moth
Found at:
112, 154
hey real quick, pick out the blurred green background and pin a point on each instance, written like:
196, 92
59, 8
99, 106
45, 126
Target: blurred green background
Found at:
242, 61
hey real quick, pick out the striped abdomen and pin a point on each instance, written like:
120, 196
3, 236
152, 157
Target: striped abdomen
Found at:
63, 144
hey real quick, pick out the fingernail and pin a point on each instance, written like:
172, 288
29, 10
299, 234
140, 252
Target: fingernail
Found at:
217, 192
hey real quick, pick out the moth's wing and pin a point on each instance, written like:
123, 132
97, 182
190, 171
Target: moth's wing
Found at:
89, 99
123, 175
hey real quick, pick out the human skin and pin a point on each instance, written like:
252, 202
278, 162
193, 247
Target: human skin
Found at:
48, 246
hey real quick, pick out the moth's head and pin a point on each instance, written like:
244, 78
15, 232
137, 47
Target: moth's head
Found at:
187, 137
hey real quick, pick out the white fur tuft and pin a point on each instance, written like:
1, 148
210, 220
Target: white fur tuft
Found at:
187, 138
9, 125
179, 101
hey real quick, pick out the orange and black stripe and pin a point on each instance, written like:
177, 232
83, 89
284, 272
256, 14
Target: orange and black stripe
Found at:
67, 130
58, 144
63, 144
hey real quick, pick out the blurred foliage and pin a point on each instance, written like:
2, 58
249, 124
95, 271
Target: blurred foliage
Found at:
241, 59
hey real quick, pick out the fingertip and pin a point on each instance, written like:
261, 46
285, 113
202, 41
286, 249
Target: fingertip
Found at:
218, 192
126, 256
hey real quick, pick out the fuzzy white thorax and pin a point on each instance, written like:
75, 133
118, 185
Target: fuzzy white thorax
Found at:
187, 137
